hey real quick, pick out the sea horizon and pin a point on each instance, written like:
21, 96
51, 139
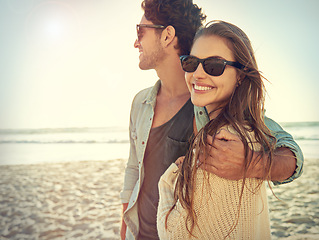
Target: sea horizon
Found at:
65, 144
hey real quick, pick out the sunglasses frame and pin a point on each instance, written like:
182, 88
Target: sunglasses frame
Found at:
156, 26
202, 61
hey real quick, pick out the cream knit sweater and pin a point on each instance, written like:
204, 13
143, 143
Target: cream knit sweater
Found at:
216, 204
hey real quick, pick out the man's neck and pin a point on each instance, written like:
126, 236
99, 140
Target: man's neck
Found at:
172, 78
173, 93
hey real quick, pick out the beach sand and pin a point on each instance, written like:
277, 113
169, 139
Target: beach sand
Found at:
76, 200
296, 215
80, 200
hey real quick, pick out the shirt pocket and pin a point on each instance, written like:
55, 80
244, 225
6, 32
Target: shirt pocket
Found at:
174, 149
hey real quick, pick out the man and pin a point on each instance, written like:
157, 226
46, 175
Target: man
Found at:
161, 121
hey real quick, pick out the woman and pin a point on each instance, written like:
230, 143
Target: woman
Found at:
222, 75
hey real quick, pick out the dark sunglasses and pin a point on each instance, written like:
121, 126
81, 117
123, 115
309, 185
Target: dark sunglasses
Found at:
139, 26
211, 65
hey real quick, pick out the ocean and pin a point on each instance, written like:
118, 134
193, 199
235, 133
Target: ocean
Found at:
306, 134
31, 146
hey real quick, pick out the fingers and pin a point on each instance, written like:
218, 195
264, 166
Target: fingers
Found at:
225, 141
208, 167
209, 140
207, 159
226, 136
180, 161
221, 138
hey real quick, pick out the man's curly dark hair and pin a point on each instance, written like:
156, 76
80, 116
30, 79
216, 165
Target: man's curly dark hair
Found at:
183, 15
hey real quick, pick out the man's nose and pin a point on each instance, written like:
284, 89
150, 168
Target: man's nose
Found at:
136, 43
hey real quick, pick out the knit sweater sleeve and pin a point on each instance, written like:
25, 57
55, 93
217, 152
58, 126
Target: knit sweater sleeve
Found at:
166, 188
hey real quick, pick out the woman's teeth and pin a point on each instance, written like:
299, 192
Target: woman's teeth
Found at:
202, 88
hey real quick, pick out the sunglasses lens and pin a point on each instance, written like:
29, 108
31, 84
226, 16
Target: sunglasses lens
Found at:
189, 64
214, 67
138, 31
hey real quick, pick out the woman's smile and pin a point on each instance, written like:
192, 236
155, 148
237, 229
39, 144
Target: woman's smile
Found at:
201, 87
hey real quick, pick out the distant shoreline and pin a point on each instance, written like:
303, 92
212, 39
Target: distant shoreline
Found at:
119, 128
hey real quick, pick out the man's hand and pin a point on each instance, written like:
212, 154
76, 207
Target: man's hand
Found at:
123, 226
225, 156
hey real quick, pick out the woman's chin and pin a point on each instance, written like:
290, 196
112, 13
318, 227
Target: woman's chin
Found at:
198, 103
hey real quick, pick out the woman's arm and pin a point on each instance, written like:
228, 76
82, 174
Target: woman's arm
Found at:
166, 187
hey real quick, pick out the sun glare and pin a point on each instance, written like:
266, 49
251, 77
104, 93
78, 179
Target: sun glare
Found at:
54, 28
51, 23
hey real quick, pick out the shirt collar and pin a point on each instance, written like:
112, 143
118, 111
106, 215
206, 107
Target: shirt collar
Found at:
151, 97
201, 116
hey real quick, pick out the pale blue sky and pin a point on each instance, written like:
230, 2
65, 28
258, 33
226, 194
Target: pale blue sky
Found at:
72, 63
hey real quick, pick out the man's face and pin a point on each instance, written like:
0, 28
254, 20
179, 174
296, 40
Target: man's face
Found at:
149, 46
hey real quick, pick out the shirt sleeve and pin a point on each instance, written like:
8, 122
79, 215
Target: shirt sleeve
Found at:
132, 167
284, 139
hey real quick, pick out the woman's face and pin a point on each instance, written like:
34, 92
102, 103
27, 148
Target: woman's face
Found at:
206, 90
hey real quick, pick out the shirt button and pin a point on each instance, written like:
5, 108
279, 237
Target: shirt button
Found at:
143, 142
200, 112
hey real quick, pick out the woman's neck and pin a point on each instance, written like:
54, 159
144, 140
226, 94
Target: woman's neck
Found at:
213, 113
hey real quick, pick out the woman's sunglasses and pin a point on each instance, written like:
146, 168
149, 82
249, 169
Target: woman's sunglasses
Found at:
211, 65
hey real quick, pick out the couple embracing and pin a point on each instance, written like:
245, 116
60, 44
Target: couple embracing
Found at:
201, 149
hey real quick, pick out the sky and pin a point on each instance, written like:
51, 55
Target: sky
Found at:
72, 63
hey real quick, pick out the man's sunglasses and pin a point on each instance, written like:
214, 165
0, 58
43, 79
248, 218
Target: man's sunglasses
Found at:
211, 65
139, 26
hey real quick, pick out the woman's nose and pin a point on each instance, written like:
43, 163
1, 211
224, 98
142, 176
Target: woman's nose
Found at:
199, 72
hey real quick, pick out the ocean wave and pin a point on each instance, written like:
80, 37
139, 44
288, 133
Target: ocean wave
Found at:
306, 138
63, 130
299, 124
63, 142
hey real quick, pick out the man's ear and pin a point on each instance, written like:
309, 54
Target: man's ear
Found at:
168, 36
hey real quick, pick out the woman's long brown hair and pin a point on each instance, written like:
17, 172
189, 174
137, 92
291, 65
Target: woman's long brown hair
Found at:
244, 112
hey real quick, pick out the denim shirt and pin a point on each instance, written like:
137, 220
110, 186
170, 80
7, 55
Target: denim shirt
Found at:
141, 118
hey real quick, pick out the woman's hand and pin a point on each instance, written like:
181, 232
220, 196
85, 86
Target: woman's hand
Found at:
180, 161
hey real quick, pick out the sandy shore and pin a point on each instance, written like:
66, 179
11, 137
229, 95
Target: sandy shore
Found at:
80, 200
296, 215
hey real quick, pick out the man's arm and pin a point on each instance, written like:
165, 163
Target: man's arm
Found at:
234, 154
131, 171
284, 165
226, 158
285, 141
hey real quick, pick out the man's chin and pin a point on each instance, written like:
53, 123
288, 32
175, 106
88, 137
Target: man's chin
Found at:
144, 67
